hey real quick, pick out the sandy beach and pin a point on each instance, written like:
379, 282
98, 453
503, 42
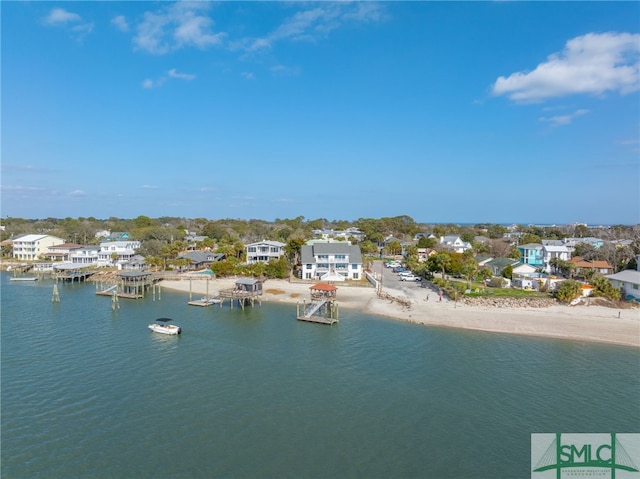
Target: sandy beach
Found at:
582, 323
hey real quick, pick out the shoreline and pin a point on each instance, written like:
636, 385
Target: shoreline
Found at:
577, 323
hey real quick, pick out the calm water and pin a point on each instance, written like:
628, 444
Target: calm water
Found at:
87, 392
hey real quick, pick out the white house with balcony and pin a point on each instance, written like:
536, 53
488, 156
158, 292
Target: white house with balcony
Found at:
454, 243
264, 251
116, 252
335, 261
32, 246
85, 255
554, 249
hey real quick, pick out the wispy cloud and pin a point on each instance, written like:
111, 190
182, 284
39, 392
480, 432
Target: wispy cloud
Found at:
173, 73
247, 75
561, 120
59, 17
179, 25
78, 193
148, 83
313, 24
282, 70
120, 22
149, 187
589, 64
20, 188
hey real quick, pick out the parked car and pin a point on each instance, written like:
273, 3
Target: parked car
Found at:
409, 277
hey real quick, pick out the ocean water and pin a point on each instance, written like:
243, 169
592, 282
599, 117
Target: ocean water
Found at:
89, 392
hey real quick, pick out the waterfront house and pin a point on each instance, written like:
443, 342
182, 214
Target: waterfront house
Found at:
335, 261
62, 252
31, 247
85, 255
629, 283
552, 249
114, 252
531, 253
264, 251
200, 259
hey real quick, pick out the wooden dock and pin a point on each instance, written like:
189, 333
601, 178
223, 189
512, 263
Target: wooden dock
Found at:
323, 307
204, 302
130, 285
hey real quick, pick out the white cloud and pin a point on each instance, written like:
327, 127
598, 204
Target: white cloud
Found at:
78, 193
589, 64
120, 22
149, 187
247, 75
310, 25
179, 25
173, 73
561, 120
148, 83
59, 16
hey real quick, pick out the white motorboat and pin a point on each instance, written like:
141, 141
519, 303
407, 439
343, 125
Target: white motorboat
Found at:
160, 327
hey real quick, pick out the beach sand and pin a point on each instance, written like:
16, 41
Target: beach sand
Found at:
582, 323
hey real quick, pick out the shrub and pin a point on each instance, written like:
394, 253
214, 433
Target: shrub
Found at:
568, 290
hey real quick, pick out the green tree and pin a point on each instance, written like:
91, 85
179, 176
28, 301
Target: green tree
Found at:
485, 273
568, 290
507, 272
469, 270
393, 248
367, 247
603, 287
439, 262
278, 268
293, 249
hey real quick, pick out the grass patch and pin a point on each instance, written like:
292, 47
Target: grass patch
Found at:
275, 292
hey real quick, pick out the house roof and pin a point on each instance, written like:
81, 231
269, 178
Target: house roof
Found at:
501, 263
530, 246
267, 242
556, 248
323, 287
308, 252
31, 238
66, 246
201, 256
580, 262
552, 242
627, 276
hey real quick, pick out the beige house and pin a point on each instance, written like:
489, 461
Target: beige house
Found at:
34, 247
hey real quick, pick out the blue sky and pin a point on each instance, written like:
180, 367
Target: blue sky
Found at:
444, 111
